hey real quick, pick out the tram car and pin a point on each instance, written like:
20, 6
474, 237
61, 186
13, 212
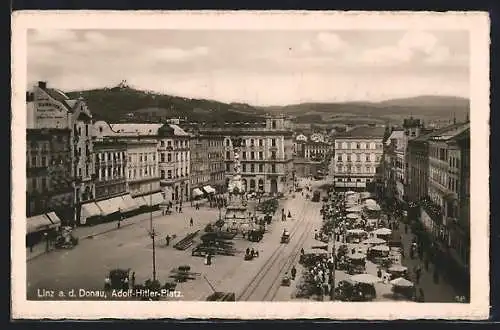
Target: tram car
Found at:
285, 237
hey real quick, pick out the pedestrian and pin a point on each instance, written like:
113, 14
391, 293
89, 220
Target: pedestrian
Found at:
379, 273
191, 222
180, 209
167, 240
133, 279
176, 208
293, 272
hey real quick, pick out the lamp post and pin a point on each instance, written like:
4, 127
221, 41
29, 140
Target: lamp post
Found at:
152, 230
76, 159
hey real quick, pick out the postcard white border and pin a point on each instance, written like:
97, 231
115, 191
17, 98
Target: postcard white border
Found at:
475, 22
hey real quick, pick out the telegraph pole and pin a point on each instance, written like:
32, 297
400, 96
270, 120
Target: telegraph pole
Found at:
152, 230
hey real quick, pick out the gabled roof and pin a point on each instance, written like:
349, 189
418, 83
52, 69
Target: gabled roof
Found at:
136, 129
59, 96
396, 134
363, 132
444, 133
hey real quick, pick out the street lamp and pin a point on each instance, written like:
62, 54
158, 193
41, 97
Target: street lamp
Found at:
152, 230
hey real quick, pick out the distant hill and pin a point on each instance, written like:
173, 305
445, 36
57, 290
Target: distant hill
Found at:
395, 110
113, 104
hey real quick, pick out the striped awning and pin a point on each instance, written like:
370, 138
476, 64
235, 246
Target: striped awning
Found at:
128, 204
197, 192
140, 201
154, 199
108, 207
89, 210
209, 189
38, 223
54, 218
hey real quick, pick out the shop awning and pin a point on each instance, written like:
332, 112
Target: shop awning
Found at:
197, 192
140, 201
209, 189
128, 204
108, 207
157, 198
37, 223
90, 210
54, 219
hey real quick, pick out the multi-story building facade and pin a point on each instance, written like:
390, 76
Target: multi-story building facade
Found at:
207, 163
311, 158
266, 154
49, 179
396, 160
358, 154
174, 164
140, 164
418, 168
110, 165
51, 108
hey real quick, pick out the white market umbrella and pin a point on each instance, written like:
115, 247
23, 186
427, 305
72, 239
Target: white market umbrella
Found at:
373, 207
350, 192
374, 240
365, 278
382, 231
370, 202
356, 231
397, 268
352, 216
401, 282
382, 248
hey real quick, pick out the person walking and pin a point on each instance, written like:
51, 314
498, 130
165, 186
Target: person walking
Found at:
167, 240
191, 222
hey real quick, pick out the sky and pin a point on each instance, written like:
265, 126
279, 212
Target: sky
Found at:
256, 67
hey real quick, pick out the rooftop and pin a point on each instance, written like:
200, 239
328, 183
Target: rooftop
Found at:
396, 134
136, 129
363, 132
444, 133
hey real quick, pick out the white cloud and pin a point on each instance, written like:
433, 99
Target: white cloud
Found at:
47, 36
330, 42
178, 54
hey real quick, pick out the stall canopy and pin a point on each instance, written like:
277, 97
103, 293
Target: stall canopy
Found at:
402, 282
140, 201
128, 204
352, 216
357, 256
107, 207
354, 209
370, 202
89, 210
373, 207
209, 190
381, 248
397, 268
117, 203
382, 231
158, 198
356, 231
373, 240
54, 219
365, 278
197, 192
38, 223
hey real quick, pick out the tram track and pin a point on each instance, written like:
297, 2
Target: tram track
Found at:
267, 267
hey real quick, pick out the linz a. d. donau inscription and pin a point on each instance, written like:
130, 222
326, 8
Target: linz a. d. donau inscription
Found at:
273, 166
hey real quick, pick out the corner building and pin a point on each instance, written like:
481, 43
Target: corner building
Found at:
358, 154
266, 154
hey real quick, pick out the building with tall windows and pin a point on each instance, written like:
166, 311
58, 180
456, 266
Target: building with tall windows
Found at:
266, 153
141, 160
207, 163
51, 109
358, 154
174, 162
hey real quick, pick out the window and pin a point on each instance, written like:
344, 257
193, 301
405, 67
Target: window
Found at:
244, 168
169, 174
273, 168
228, 167
261, 155
79, 172
162, 174
87, 130
339, 158
251, 142
146, 157
186, 170
44, 161
261, 142
274, 124
228, 143
339, 169
367, 158
79, 131
244, 154
273, 155
228, 155
169, 157
252, 155
273, 142
154, 157
162, 143
261, 168
252, 168
348, 158
169, 144
358, 146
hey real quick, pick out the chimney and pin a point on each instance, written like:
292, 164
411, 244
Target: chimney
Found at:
42, 84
